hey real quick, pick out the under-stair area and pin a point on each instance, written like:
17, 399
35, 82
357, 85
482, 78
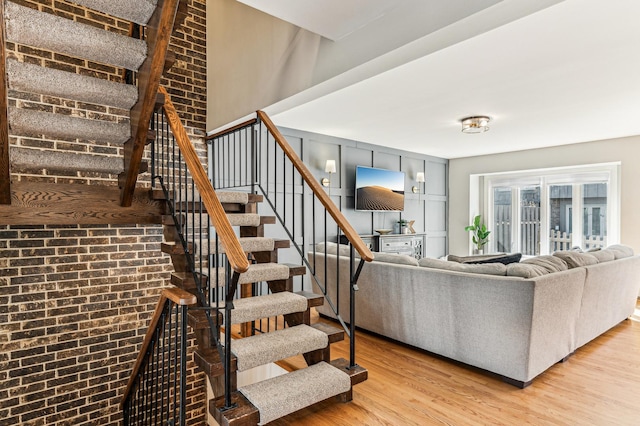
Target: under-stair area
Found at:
228, 272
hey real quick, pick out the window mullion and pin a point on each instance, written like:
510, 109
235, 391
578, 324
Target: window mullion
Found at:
578, 222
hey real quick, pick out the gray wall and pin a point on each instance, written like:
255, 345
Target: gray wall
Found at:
625, 150
428, 208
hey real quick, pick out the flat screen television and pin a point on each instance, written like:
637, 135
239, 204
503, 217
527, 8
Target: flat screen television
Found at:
379, 189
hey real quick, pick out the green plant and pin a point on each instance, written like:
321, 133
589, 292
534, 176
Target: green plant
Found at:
480, 235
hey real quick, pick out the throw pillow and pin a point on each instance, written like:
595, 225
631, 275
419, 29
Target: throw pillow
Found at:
621, 251
505, 260
401, 259
467, 259
486, 269
574, 259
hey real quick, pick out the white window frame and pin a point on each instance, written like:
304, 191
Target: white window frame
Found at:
482, 200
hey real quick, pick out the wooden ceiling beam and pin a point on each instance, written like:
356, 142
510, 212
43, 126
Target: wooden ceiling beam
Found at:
37, 203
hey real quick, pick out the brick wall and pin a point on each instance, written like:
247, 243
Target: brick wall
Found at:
75, 300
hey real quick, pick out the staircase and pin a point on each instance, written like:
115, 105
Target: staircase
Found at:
239, 253
129, 106
265, 401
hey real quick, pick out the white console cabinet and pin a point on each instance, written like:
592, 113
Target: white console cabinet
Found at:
409, 244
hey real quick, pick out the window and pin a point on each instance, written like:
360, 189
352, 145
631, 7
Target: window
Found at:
541, 211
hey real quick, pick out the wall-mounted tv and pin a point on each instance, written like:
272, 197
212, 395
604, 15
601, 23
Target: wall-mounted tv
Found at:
379, 189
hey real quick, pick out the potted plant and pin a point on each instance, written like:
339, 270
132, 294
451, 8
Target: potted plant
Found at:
479, 233
402, 226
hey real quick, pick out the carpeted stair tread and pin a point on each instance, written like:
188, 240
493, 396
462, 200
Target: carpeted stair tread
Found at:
291, 392
258, 272
252, 244
46, 31
244, 219
27, 122
233, 197
270, 347
60, 160
138, 11
31, 78
254, 308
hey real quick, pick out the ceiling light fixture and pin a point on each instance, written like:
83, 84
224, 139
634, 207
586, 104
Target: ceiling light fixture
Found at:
478, 124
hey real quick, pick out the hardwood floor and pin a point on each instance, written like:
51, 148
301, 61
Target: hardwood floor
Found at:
598, 385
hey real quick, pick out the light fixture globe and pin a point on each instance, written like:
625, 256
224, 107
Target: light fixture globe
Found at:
477, 124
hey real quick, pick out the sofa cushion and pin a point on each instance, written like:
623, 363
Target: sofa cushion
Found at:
525, 270
504, 259
603, 255
401, 259
574, 259
621, 251
486, 269
536, 266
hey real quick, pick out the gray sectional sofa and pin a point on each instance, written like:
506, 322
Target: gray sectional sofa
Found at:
514, 320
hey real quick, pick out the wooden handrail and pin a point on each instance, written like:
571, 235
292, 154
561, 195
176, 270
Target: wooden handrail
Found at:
232, 129
159, 31
235, 254
5, 173
175, 295
314, 185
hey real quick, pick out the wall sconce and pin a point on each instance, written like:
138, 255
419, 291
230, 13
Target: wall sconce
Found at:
419, 180
329, 167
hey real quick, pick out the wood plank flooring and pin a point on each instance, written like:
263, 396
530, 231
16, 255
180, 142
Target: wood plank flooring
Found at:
598, 385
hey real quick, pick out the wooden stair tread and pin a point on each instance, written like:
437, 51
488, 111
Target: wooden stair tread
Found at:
210, 362
313, 299
197, 319
174, 248
334, 334
357, 374
243, 412
295, 270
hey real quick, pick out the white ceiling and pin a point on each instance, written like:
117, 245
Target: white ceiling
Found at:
333, 19
566, 74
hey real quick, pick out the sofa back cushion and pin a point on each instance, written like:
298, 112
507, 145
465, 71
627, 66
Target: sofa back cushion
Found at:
536, 266
574, 259
620, 251
487, 269
343, 249
332, 248
603, 255
401, 259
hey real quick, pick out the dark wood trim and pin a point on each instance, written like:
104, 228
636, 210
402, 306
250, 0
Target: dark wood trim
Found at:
232, 129
175, 295
236, 256
318, 190
5, 172
74, 204
159, 32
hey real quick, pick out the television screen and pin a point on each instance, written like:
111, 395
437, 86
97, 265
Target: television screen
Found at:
379, 189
